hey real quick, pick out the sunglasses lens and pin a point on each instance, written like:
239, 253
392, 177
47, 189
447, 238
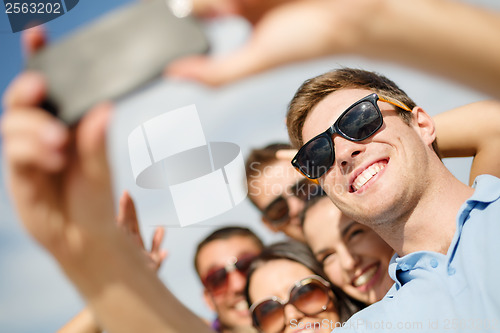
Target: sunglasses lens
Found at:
310, 298
360, 122
244, 263
216, 280
315, 158
269, 316
277, 211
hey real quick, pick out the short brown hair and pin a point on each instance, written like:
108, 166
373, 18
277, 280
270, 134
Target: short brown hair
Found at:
258, 160
312, 91
226, 233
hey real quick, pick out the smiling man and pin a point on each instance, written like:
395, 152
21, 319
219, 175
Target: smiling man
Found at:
277, 191
371, 148
222, 260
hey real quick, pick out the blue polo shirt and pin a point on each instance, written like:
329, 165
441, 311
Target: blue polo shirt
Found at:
456, 292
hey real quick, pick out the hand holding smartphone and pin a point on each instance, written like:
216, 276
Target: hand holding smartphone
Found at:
114, 55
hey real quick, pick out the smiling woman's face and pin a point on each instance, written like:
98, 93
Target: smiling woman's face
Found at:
353, 256
275, 279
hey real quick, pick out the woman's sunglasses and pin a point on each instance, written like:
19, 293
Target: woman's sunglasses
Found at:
360, 121
310, 296
216, 280
278, 211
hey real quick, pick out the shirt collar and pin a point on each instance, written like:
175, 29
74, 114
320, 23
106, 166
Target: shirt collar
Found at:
487, 190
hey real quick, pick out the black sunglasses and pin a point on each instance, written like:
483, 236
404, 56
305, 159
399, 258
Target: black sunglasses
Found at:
277, 212
311, 296
360, 121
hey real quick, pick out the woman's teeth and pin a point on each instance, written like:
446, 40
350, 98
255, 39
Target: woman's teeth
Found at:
365, 277
241, 306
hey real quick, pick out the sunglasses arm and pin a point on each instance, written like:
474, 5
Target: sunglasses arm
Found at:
315, 181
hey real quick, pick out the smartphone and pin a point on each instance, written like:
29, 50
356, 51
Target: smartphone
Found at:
114, 55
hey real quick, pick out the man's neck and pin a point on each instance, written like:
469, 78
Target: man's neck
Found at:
431, 224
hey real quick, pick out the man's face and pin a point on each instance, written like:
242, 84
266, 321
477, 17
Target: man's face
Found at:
230, 304
275, 180
377, 179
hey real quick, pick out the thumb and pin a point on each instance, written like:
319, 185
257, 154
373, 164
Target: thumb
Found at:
91, 140
91, 158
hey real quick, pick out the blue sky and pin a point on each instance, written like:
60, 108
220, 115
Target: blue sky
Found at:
12, 59
36, 297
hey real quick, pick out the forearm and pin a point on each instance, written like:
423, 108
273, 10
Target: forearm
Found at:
472, 130
443, 37
122, 291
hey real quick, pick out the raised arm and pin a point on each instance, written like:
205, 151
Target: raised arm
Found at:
85, 321
443, 37
472, 130
60, 185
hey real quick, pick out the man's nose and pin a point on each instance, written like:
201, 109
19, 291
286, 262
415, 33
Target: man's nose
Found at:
346, 152
236, 281
295, 206
291, 313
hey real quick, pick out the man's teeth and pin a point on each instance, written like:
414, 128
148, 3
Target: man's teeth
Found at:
365, 277
241, 305
366, 175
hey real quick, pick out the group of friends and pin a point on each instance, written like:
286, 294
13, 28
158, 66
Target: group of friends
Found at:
383, 236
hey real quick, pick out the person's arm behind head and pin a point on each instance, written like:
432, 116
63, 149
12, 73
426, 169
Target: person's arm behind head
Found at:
472, 130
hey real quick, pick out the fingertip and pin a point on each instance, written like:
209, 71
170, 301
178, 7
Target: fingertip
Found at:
102, 110
187, 67
55, 134
124, 198
27, 89
163, 254
93, 127
33, 39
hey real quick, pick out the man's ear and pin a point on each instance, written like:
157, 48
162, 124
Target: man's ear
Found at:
425, 125
209, 300
269, 225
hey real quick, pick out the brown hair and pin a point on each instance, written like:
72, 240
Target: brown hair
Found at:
312, 91
258, 160
226, 233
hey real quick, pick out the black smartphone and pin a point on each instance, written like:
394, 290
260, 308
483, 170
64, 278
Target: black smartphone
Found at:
114, 55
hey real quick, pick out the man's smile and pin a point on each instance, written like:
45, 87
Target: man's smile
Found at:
363, 176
